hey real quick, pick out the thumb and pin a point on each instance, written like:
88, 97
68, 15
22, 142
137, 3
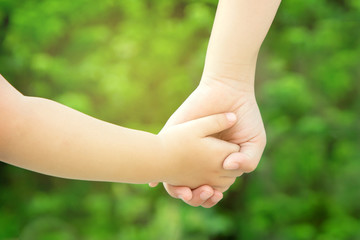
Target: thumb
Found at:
212, 124
247, 159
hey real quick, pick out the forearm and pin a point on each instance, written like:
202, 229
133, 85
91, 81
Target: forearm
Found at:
51, 138
239, 29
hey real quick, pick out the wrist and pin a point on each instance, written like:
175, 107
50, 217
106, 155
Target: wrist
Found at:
166, 159
239, 75
244, 85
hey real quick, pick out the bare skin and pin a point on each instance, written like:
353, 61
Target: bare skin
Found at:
227, 84
47, 137
248, 132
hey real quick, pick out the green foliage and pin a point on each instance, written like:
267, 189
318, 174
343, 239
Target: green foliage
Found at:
133, 63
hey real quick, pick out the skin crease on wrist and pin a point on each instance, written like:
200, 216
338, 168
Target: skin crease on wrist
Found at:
239, 29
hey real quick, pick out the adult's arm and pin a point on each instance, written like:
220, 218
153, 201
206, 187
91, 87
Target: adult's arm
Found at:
227, 84
239, 29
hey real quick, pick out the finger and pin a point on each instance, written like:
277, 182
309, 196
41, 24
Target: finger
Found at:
200, 195
213, 200
222, 147
183, 193
212, 124
247, 159
153, 184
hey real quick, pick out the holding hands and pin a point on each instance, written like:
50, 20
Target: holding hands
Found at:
248, 133
216, 135
194, 157
227, 85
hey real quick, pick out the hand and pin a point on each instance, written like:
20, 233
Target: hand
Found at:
192, 158
214, 96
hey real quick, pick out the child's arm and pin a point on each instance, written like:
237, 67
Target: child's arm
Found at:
47, 137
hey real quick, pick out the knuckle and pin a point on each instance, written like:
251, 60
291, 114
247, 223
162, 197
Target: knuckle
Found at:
236, 148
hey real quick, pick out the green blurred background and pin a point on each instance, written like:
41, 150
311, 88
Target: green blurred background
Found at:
133, 62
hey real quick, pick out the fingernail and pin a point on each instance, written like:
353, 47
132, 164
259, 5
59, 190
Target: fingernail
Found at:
205, 195
231, 166
181, 197
231, 117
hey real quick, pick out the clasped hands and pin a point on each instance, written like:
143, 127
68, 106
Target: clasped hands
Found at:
227, 85
213, 96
